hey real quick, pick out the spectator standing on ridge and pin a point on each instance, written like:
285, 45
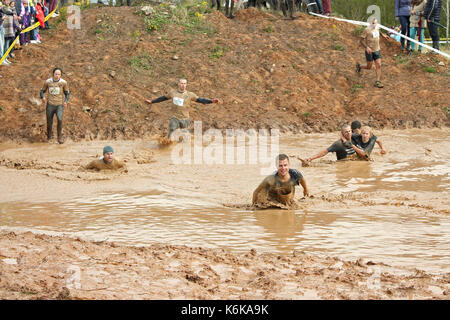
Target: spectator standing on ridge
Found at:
432, 13
10, 25
229, 6
403, 12
326, 7
418, 23
287, 5
6, 19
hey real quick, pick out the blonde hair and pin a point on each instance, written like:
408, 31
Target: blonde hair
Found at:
368, 129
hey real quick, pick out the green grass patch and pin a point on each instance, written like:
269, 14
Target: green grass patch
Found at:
338, 47
306, 114
190, 15
359, 30
142, 62
269, 29
62, 15
430, 69
446, 109
1, 108
217, 51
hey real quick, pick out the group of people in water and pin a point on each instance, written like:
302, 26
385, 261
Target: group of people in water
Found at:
355, 141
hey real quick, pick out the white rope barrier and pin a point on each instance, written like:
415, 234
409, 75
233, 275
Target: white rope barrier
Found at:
360, 23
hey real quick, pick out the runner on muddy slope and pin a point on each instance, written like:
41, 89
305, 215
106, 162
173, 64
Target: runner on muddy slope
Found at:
58, 97
370, 40
107, 162
280, 187
344, 147
181, 99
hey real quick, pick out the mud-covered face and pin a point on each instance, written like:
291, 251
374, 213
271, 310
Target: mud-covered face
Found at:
182, 85
365, 135
57, 75
108, 157
283, 167
347, 133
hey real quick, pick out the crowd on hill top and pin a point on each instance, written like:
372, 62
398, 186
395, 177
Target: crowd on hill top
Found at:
17, 15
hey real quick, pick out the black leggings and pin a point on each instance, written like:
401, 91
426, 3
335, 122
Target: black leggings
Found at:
51, 111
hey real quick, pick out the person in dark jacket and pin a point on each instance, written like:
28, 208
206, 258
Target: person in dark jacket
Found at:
403, 12
432, 13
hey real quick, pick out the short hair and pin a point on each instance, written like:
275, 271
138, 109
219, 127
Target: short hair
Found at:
57, 68
281, 157
356, 125
345, 126
182, 79
368, 129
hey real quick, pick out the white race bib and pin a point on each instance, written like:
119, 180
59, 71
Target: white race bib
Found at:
375, 33
178, 101
53, 90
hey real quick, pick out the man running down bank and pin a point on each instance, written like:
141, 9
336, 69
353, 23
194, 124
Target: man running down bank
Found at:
280, 186
181, 100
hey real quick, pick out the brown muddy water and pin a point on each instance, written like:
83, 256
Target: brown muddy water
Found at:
394, 209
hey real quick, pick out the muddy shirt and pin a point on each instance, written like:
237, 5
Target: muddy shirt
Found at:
371, 39
99, 164
341, 150
280, 191
368, 146
56, 90
181, 103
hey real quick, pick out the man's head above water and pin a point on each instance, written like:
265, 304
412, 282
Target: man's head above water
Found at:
283, 165
108, 152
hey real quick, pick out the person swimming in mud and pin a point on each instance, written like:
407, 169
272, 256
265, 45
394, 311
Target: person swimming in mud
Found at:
181, 102
108, 162
280, 186
344, 148
356, 135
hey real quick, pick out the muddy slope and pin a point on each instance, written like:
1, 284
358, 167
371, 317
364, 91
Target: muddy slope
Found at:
297, 76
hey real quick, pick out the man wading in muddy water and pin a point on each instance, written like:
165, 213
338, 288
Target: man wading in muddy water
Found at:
344, 147
280, 187
107, 162
181, 100
58, 97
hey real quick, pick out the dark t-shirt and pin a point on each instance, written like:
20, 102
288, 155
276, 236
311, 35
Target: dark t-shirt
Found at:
280, 191
342, 151
368, 146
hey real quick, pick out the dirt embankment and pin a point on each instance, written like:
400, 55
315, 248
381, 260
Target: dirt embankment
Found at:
298, 76
49, 267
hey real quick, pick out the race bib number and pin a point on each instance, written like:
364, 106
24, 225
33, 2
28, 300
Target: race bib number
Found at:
375, 33
178, 101
53, 90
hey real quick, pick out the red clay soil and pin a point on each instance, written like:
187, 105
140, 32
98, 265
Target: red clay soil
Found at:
297, 76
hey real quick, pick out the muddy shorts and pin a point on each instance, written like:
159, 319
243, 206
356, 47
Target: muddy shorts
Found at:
373, 56
176, 123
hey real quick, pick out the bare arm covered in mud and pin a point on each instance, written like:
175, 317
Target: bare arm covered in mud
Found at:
318, 155
360, 152
263, 187
305, 187
380, 144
